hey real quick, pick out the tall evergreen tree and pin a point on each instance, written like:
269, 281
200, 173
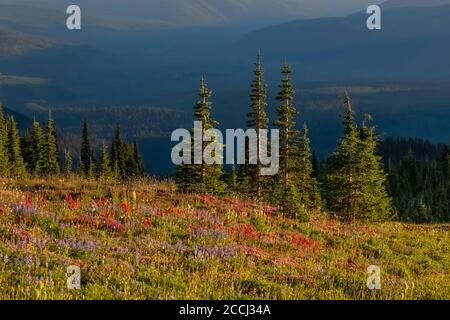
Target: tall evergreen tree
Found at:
118, 154
66, 169
86, 153
50, 165
104, 166
26, 148
258, 120
201, 177
138, 159
285, 123
3, 148
306, 183
377, 204
355, 182
38, 145
16, 163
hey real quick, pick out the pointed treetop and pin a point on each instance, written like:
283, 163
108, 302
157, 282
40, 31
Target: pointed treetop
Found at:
367, 119
305, 128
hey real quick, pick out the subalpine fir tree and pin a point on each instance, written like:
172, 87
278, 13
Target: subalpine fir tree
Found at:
286, 113
258, 120
355, 181
86, 153
104, 166
306, 183
139, 165
233, 180
66, 168
377, 204
285, 187
38, 146
16, 163
203, 178
50, 165
134, 167
26, 148
3, 148
342, 183
118, 154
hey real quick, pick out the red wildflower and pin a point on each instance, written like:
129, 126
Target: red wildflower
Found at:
148, 223
126, 207
303, 241
28, 200
249, 230
103, 201
73, 204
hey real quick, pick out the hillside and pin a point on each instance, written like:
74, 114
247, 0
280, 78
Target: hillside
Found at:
394, 52
187, 13
143, 241
15, 43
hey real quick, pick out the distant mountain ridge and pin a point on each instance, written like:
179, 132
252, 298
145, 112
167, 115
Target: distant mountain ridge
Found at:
13, 43
185, 13
412, 40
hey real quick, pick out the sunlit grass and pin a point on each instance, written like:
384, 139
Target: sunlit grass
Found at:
142, 240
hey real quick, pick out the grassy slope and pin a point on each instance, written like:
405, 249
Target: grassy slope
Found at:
167, 246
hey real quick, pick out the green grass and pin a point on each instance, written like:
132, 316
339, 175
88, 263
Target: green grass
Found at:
144, 241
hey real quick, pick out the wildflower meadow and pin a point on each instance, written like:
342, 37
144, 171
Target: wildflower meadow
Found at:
143, 240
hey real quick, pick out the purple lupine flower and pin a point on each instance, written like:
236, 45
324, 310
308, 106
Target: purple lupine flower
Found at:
83, 245
224, 253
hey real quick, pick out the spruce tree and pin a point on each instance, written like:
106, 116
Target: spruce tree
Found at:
233, 180
342, 183
377, 205
202, 178
258, 120
26, 147
38, 145
3, 148
104, 167
16, 163
137, 159
50, 165
355, 182
86, 153
118, 154
307, 186
285, 123
66, 169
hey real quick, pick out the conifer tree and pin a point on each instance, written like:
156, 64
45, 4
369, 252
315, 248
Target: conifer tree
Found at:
444, 161
308, 188
104, 167
118, 154
86, 153
377, 204
203, 178
257, 119
16, 163
140, 170
80, 168
233, 180
26, 148
3, 148
355, 182
66, 169
50, 164
285, 123
342, 181
38, 146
